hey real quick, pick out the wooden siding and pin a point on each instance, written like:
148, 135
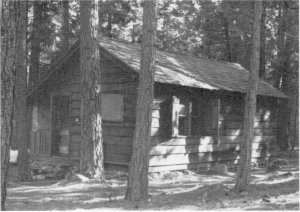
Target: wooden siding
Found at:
40, 137
117, 79
216, 137
118, 135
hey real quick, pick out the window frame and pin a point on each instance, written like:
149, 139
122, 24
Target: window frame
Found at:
121, 118
192, 102
176, 108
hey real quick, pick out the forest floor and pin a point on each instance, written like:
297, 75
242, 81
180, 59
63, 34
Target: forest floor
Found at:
179, 190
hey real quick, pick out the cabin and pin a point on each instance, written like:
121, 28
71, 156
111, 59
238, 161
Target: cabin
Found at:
197, 116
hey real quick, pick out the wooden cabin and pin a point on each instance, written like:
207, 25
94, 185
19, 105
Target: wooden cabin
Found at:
197, 112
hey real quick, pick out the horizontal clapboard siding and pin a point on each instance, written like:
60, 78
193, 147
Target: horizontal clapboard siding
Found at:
118, 136
203, 165
164, 149
207, 140
173, 159
213, 144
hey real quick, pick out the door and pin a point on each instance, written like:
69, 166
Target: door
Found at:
60, 125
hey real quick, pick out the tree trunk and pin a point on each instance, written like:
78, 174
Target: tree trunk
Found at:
65, 25
35, 42
227, 38
91, 163
244, 167
283, 79
280, 44
21, 131
8, 44
109, 27
137, 188
262, 63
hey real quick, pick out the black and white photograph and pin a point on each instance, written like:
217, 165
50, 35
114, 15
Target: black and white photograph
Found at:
121, 105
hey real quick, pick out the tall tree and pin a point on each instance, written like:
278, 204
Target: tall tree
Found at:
262, 63
244, 166
137, 188
114, 17
91, 163
21, 131
281, 47
284, 76
35, 42
65, 25
8, 45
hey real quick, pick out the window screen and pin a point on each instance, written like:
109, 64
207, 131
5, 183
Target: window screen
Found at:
112, 107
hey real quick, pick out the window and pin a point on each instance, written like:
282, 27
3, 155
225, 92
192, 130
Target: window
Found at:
194, 116
181, 117
112, 107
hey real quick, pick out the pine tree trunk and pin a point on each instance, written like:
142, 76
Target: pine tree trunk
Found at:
283, 79
262, 63
91, 163
35, 42
226, 29
244, 166
65, 25
21, 131
137, 188
8, 44
280, 44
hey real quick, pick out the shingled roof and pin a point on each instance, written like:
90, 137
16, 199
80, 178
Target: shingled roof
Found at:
177, 68
186, 70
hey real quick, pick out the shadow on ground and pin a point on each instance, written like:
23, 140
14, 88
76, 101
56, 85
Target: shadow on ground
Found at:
272, 191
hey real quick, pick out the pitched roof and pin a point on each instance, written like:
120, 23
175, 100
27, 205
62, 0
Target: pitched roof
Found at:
176, 68
185, 70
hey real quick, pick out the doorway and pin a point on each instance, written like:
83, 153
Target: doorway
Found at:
60, 125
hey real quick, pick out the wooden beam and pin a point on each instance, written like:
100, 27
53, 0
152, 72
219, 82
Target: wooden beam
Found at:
175, 120
218, 119
189, 118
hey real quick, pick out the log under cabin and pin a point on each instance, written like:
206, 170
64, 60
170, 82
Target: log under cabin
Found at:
197, 112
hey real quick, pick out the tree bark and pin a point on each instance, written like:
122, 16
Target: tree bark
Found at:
8, 45
284, 133
66, 26
21, 131
262, 63
137, 188
91, 163
244, 166
281, 56
227, 38
283, 79
35, 43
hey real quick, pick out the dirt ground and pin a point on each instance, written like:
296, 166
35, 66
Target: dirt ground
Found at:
180, 190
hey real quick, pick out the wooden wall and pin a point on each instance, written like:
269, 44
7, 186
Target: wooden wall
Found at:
117, 135
65, 81
211, 142
41, 124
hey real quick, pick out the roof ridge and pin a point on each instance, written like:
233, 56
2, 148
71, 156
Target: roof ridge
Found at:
184, 54
199, 56
116, 39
